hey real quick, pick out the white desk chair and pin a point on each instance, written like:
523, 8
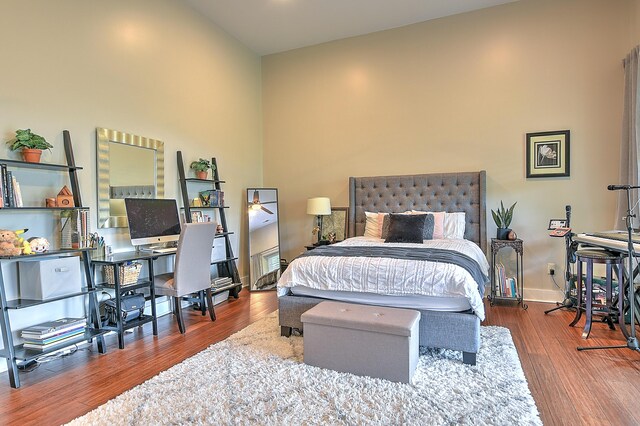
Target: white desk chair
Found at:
192, 271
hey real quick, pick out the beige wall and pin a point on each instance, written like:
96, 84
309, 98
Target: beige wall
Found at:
456, 94
154, 68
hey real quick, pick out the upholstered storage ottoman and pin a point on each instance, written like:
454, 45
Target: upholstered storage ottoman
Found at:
361, 339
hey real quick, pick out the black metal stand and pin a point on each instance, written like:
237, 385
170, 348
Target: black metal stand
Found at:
632, 341
569, 301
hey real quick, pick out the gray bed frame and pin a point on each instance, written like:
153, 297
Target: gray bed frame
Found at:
450, 192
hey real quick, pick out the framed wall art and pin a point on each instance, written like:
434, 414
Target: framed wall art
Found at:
334, 226
548, 154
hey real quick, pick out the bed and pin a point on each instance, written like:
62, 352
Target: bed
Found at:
455, 325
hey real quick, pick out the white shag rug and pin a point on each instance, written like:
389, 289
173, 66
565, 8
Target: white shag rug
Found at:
257, 377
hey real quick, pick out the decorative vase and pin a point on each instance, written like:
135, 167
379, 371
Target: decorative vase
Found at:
31, 155
201, 175
503, 233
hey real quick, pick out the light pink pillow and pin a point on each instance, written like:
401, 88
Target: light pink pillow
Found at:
438, 223
380, 223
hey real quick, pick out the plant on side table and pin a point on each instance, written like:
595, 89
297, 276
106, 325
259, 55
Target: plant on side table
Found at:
30, 144
201, 167
502, 217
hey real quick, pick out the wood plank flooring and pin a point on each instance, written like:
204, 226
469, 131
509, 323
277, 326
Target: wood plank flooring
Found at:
570, 387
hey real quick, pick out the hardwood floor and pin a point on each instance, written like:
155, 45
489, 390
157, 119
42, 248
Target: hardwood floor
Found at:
570, 387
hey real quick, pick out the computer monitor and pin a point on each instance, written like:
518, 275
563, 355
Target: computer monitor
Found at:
152, 220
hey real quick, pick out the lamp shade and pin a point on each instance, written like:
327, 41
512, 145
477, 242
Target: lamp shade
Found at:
319, 206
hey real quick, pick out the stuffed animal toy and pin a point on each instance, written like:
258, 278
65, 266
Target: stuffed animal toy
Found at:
39, 244
9, 243
22, 243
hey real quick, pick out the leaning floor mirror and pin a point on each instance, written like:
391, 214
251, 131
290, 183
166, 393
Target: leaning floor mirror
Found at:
264, 238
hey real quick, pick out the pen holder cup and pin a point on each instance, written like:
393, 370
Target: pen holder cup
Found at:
98, 252
128, 274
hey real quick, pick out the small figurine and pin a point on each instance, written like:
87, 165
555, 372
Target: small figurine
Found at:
39, 244
219, 229
332, 237
64, 198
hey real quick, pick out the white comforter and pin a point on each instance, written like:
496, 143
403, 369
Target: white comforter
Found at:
390, 276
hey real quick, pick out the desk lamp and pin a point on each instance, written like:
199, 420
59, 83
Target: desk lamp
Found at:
319, 206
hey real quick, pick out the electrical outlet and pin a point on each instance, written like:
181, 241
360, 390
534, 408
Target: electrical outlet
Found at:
551, 268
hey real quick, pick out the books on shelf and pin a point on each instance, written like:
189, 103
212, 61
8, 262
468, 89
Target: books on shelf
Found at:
11, 196
221, 282
50, 328
41, 346
52, 333
505, 286
212, 198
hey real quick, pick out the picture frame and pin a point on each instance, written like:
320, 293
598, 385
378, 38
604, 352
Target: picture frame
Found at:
196, 216
548, 154
557, 223
335, 223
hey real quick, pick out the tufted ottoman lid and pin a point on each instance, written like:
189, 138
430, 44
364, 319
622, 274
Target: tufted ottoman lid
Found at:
378, 319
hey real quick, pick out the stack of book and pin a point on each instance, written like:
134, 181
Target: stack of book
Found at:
505, 286
52, 333
212, 198
10, 194
220, 282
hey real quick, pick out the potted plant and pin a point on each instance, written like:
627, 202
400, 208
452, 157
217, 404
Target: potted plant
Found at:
502, 217
30, 144
201, 167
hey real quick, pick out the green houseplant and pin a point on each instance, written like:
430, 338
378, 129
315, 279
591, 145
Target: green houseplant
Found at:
30, 144
502, 217
201, 167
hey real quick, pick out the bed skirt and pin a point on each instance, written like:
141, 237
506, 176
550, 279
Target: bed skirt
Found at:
458, 331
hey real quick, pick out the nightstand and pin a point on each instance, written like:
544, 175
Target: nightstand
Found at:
507, 281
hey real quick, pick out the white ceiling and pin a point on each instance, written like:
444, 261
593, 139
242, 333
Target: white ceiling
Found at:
271, 26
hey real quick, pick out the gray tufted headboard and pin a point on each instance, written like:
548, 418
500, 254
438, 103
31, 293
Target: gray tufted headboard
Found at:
450, 192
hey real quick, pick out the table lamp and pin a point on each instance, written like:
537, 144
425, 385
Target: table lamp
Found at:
319, 206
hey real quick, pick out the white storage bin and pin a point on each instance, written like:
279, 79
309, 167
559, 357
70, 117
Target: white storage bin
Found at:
49, 278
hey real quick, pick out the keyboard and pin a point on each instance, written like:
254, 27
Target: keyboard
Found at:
165, 250
612, 241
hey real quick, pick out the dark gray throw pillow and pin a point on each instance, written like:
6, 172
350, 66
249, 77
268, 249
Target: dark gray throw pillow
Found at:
429, 224
427, 232
405, 228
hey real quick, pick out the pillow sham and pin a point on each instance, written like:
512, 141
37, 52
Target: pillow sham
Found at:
371, 225
405, 228
454, 225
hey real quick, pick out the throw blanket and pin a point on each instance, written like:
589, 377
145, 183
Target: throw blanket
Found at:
392, 276
408, 253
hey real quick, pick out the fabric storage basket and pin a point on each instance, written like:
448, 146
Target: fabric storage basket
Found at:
128, 274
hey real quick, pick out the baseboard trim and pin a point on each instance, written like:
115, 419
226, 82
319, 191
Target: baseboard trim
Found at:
543, 295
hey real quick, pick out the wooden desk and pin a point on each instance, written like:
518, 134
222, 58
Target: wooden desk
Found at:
117, 260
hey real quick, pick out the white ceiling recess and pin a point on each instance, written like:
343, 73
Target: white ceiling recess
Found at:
271, 26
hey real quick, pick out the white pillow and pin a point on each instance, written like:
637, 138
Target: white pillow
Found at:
447, 225
454, 225
371, 228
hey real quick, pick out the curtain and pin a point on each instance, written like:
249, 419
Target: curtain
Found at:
630, 138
